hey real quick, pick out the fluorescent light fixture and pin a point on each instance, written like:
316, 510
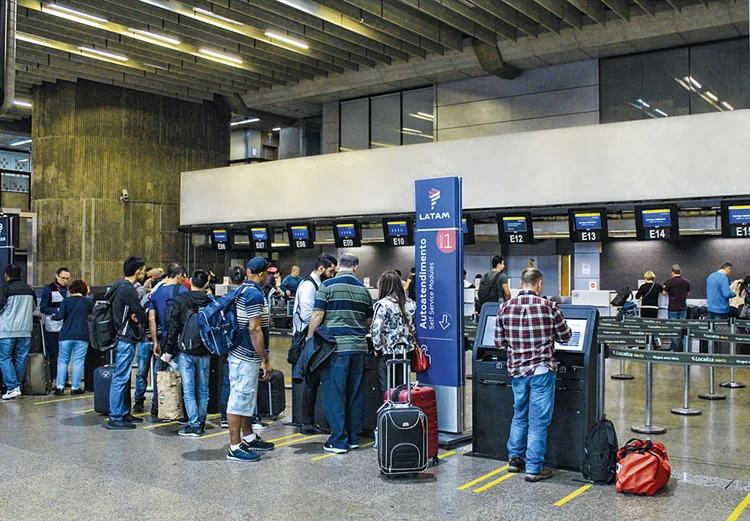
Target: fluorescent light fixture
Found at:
19, 103
103, 54
727, 105
275, 129
711, 95
160, 67
694, 82
158, 39
419, 116
411, 130
643, 103
72, 14
224, 58
155, 3
21, 143
662, 112
215, 16
424, 114
300, 6
248, 120
286, 39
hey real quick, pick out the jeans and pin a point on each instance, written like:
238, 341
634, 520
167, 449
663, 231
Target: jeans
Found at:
533, 403
52, 347
124, 354
224, 388
718, 316
145, 353
344, 397
677, 342
194, 371
13, 353
75, 349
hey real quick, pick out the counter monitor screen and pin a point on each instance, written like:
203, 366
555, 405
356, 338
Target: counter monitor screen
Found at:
735, 219
398, 232
739, 214
260, 238
301, 236
260, 234
220, 240
658, 218
397, 229
345, 230
513, 224
657, 223
467, 227
515, 228
347, 234
587, 225
588, 221
578, 340
300, 232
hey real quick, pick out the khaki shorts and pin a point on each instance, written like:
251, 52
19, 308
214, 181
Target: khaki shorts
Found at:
243, 386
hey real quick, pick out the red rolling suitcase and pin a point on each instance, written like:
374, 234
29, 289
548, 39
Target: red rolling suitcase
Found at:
422, 396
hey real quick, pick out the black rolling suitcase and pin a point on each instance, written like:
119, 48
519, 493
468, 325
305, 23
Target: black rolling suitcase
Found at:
37, 380
402, 431
102, 383
298, 391
272, 396
215, 381
373, 397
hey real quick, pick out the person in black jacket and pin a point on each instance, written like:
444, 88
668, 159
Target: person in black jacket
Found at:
50, 301
648, 294
129, 318
195, 360
74, 336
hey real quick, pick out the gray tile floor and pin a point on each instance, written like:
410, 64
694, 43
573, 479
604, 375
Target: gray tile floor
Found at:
57, 462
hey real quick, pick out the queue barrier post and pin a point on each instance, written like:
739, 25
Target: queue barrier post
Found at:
711, 394
602, 373
648, 427
686, 410
622, 375
732, 384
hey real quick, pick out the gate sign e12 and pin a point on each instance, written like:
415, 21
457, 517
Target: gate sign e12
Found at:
439, 265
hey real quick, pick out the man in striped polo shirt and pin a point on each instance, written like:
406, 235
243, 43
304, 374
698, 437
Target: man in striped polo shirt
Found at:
344, 306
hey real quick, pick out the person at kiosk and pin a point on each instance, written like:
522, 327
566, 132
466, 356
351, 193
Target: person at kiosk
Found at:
527, 328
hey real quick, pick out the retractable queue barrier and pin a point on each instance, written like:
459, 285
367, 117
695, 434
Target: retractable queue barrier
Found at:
732, 384
686, 410
619, 329
711, 394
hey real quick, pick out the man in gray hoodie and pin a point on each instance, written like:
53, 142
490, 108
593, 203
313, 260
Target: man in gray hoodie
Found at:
17, 304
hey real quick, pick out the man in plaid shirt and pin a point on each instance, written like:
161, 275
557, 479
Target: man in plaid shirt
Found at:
528, 327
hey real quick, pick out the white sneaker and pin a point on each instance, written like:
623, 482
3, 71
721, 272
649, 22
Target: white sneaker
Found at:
259, 426
12, 394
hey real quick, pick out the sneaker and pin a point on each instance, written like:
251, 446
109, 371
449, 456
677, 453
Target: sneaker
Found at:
13, 393
224, 423
183, 421
58, 392
544, 474
516, 464
242, 455
257, 445
329, 448
352, 446
258, 425
119, 425
138, 407
132, 419
75, 392
191, 432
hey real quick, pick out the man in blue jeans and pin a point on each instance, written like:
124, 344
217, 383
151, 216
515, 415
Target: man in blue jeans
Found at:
17, 303
130, 318
677, 288
528, 327
718, 292
344, 305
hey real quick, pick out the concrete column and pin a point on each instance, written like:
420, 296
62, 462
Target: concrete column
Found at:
91, 141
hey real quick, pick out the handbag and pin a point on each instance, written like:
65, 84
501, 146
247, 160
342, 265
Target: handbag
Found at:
170, 394
421, 363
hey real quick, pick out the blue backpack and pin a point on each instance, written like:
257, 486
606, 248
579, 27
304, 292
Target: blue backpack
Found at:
217, 323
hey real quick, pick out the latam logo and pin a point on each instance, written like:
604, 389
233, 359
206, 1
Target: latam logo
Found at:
434, 197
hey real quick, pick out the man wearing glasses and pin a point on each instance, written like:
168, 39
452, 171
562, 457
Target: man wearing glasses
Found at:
52, 296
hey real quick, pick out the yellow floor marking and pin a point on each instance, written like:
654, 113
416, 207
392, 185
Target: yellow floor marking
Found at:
447, 454
482, 478
493, 483
64, 399
215, 434
297, 441
174, 422
368, 444
285, 437
574, 495
740, 508
226, 431
324, 456
84, 412
141, 414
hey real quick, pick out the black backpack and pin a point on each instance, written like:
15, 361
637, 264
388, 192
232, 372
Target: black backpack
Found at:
190, 341
487, 291
622, 297
600, 453
103, 333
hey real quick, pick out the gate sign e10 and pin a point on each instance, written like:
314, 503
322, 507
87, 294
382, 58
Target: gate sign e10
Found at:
735, 219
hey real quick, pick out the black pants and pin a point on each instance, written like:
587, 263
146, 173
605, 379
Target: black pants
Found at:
649, 313
400, 378
309, 397
52, 346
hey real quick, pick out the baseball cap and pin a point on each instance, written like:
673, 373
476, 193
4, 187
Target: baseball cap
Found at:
272, 269
258, 265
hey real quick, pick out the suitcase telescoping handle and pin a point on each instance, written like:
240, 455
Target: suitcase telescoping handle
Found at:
390, 366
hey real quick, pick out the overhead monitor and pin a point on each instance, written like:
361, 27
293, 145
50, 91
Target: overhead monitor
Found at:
467, 227
657, 223
735, 219
515, 228
398, 232
260, 237
240, 241
577, 342
347, 234
220, 239
301, 236
588, 225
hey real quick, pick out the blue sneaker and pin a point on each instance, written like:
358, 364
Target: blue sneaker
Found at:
242, 455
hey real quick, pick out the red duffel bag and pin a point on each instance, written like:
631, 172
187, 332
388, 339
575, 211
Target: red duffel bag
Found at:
642, 467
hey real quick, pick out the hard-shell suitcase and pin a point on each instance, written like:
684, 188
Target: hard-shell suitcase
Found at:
102, 383
424, 397
272, 396
402, 432
37, 379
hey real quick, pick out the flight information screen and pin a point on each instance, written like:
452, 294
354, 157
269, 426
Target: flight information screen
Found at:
514, 224
260, 234
300, 232
588, 221
658, 218
397, 228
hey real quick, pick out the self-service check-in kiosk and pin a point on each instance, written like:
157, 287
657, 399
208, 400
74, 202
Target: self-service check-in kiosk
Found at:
575, 392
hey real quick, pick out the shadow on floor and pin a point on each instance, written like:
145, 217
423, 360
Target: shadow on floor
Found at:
206, 455
83, 420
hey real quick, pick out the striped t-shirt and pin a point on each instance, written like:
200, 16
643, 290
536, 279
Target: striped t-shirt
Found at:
347, 305
250, 304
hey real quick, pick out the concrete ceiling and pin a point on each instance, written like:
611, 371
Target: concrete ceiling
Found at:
286, 57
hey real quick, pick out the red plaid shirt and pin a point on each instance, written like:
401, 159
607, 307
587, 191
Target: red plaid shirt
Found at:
528, 326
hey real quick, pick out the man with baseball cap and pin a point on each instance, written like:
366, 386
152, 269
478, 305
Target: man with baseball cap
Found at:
246, 360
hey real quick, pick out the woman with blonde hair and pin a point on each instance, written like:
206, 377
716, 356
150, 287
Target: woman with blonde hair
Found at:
648, 294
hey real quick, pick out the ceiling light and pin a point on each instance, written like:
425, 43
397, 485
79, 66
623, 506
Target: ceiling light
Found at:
411, 130
692, 80
19, 103
430, 116
19, 143
110, 55
249, 120
158, 39
72, 14
215, 16
643, 103
662, 113
299, 6
160, 67
727, 105
276, 129
224, 58
418, 116
286, 39
155, 3
711, 95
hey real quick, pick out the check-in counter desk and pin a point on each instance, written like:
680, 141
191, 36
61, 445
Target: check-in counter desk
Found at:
575, 390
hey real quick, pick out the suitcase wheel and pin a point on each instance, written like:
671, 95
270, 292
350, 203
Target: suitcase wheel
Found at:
435, 461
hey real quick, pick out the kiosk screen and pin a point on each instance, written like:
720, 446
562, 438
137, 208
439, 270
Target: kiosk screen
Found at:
578, 340
488, 334
514, 224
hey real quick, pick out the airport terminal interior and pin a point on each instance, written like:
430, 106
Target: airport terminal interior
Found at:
601, 142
